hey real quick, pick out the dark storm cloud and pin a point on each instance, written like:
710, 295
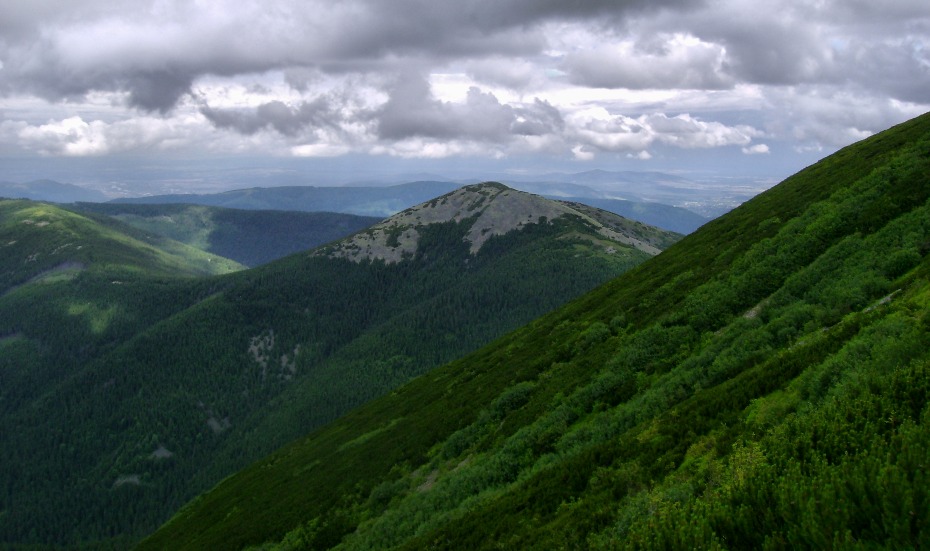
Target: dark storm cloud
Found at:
42, 72
449, 25
285, 119
776, 54
788, 56
157, 91
411, 111
881, 47
901, 71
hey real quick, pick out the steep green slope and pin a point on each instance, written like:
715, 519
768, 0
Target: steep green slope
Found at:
252, 237
72, 287
182, 382
763, 383
71, 284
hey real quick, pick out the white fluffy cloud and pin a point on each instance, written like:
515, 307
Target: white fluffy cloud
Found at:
71, 136
596, 129
757, 149
76, 137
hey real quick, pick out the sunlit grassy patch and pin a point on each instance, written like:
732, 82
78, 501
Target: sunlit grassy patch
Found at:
97, 318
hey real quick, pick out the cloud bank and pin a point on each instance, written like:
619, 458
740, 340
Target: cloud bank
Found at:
417, 78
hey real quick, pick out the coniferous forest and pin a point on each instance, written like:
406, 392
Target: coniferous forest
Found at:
137, 372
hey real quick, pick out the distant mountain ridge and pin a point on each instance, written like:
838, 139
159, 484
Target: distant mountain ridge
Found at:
660, 215
600, 176
386, 201
708, 199
49, 190
363, 201
659, 199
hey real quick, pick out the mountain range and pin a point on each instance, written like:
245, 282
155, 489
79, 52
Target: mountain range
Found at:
363, 201
643, 196
387, 200
133, 377
49, 190
764, 383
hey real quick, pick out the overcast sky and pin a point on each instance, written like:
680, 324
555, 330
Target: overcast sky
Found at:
523, 84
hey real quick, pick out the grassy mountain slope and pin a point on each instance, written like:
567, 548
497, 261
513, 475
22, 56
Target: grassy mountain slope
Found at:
182, 382
72, 285
763, 383
39, 238
251, 237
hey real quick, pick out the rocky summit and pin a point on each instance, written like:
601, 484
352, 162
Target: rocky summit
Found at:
491, 209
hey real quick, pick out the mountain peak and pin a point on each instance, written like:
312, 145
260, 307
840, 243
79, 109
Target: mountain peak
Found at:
494, 209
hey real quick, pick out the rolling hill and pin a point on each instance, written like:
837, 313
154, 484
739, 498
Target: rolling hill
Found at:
251, 237
763, 383
125, 396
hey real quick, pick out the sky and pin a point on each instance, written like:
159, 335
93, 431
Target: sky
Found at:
715, 86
